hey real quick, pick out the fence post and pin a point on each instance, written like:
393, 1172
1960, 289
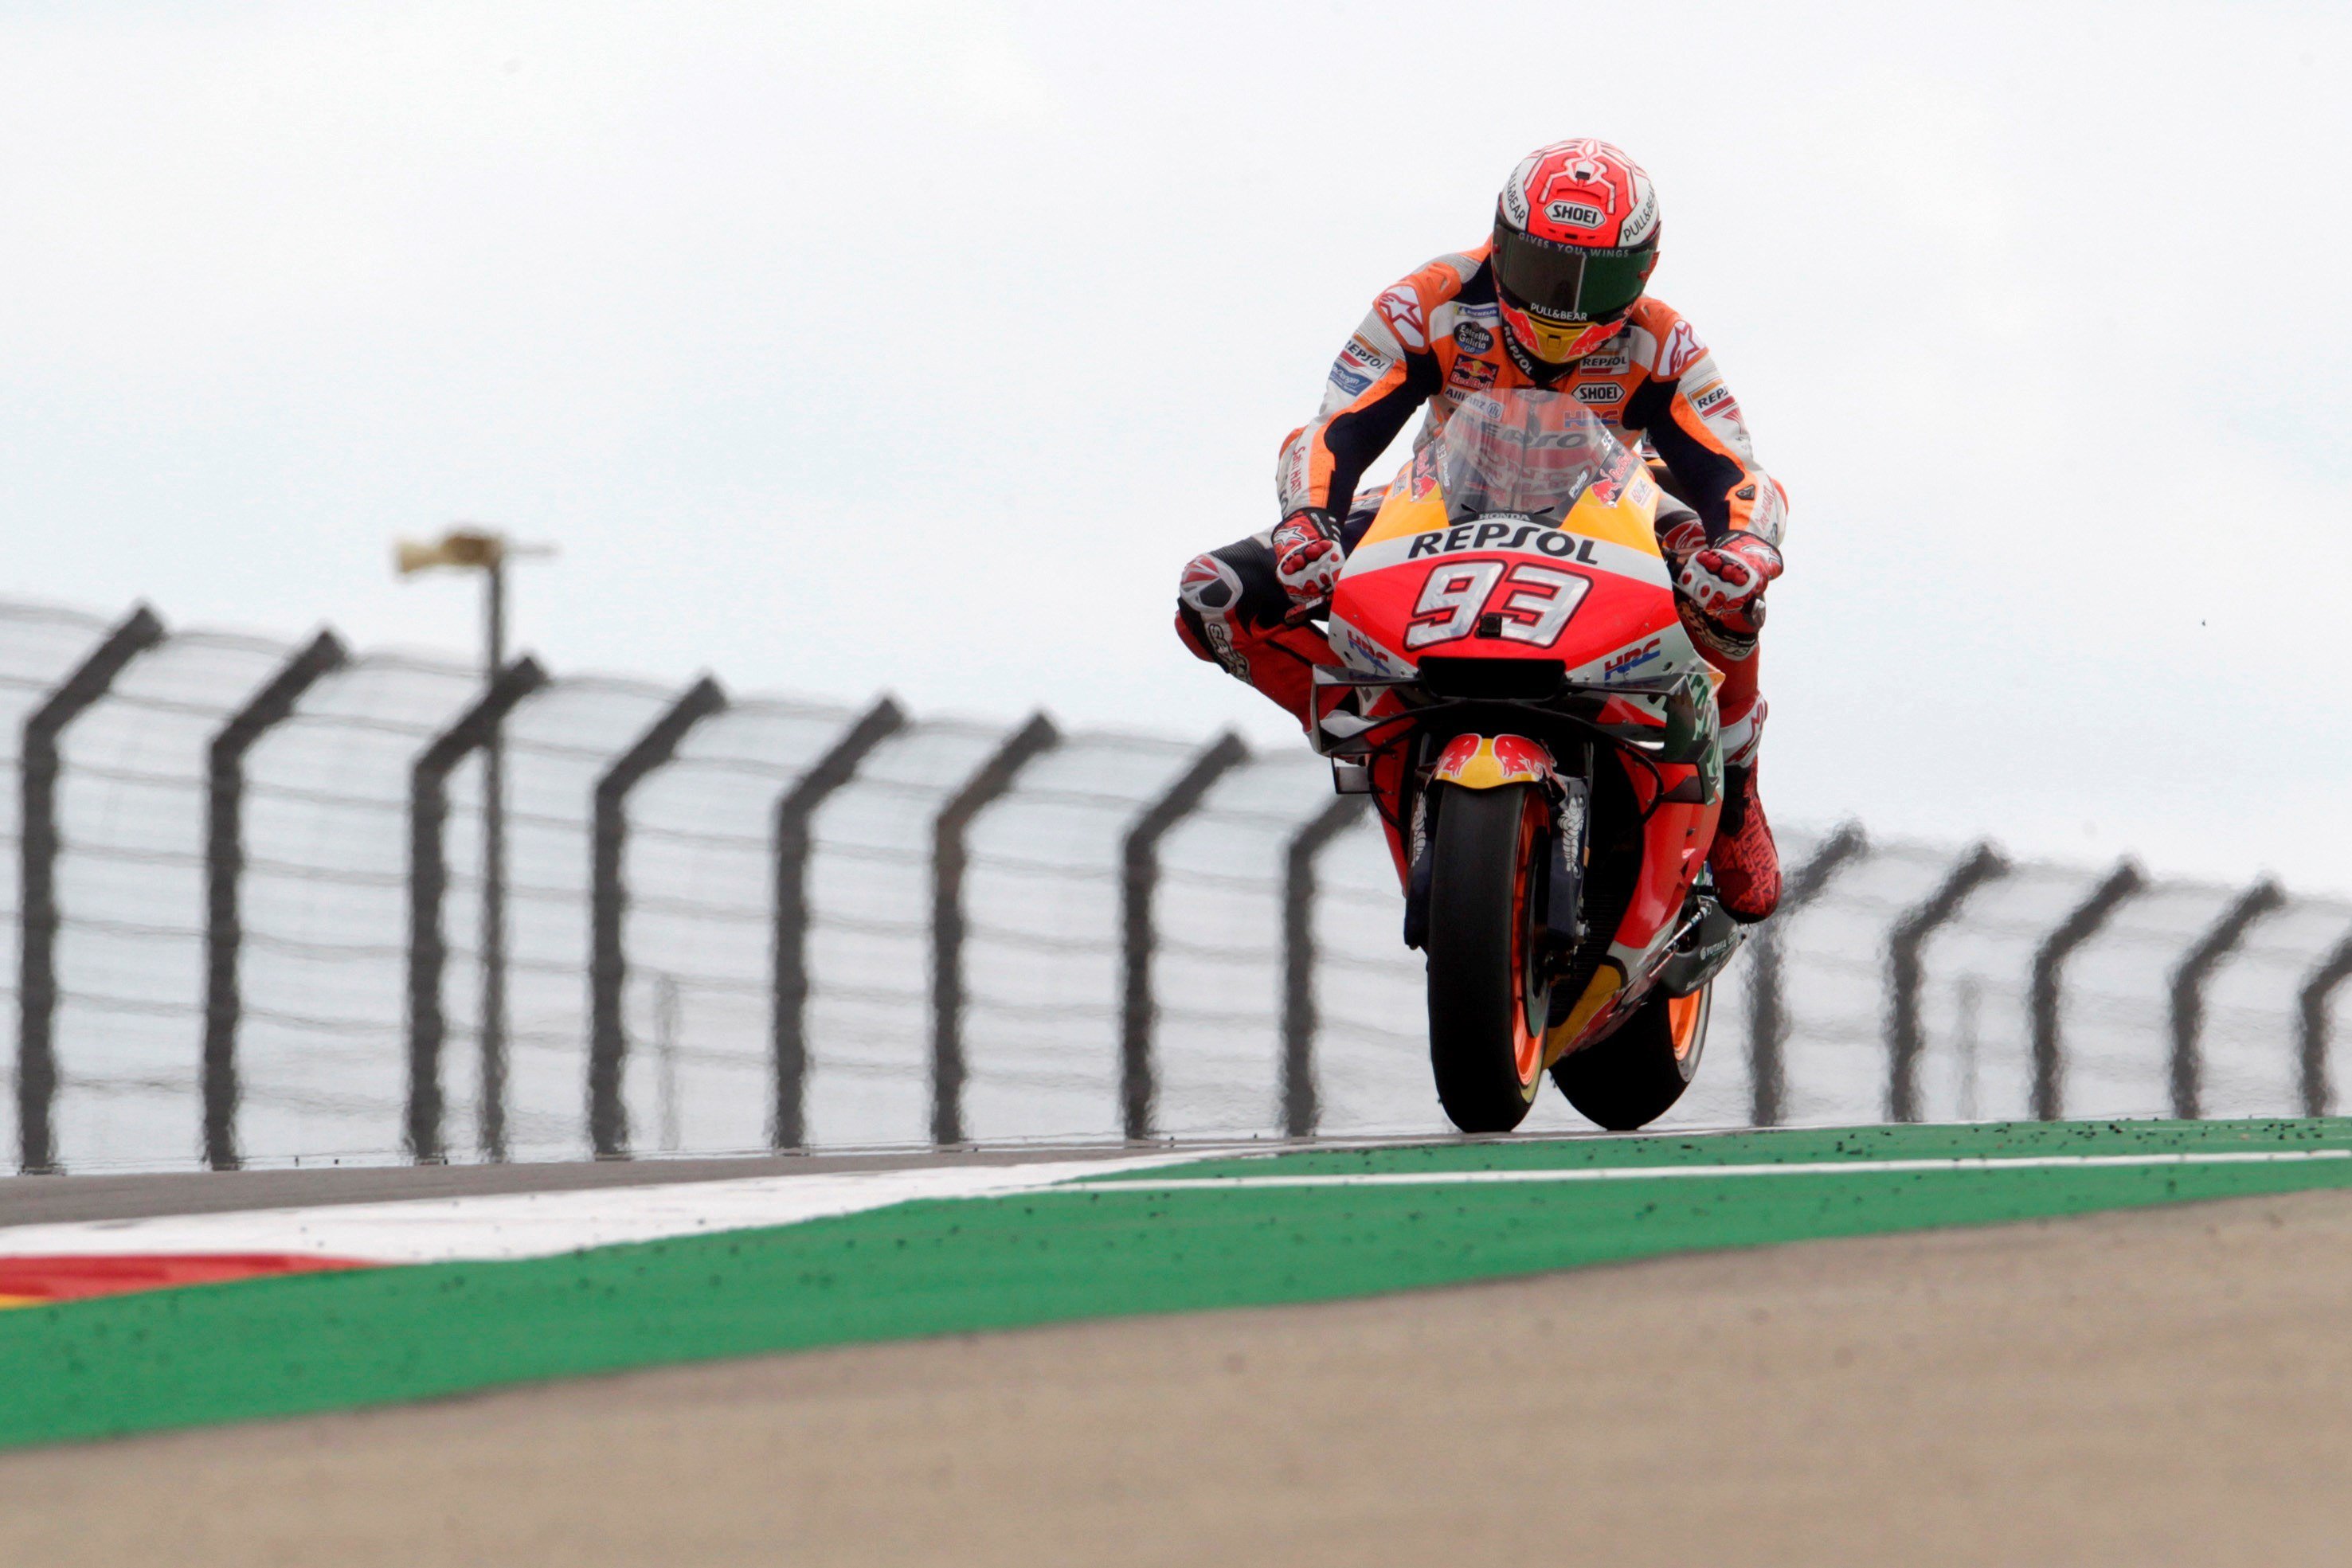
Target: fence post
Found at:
1904, 1038
949, 859
1768, 1020
2082, 922
225, 868
789, 979
2197, 966
1138, 882
37, 845
2312, 1035
608, 969
428, 883
1300, 1111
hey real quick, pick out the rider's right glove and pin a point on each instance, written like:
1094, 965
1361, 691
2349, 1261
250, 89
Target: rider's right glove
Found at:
1725, 582
1307, 556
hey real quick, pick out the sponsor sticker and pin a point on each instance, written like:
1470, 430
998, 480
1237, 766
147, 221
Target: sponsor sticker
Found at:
1645, 215
1472, 339
1472, 375
1683, 349
1502, 533
1630, 660
1352, 383
1400, 309
1600, 392
1574, 214
1364, 357
1605, 364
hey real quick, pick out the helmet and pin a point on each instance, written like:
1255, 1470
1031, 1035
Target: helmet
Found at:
1576, 234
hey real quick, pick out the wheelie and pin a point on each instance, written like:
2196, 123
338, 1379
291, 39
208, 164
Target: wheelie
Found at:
1536, 647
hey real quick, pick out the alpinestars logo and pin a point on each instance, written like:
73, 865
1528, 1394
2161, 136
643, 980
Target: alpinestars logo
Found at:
1400, 309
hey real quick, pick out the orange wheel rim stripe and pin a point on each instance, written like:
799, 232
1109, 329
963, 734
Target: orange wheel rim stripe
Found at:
1682, 1020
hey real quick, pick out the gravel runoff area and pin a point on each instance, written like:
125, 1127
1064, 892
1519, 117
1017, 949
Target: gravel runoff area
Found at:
2164, 1385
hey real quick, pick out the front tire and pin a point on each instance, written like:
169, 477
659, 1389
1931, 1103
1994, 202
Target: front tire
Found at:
1486, 998
1634, 1077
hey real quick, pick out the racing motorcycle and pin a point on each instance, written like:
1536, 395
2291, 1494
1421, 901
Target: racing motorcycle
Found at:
1517, 692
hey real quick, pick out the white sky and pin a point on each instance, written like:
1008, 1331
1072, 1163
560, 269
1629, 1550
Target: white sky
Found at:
919, 346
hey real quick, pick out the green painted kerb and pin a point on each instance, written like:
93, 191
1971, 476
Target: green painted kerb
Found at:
291, 1345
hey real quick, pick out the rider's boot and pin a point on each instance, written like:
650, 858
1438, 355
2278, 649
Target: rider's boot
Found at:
1745, 860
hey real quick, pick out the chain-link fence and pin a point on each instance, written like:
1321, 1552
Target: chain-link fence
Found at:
248, 903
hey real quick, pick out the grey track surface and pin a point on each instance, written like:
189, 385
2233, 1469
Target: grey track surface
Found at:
2152, 1387
50, 1199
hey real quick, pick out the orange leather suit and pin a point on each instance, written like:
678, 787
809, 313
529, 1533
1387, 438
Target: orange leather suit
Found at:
1430, 341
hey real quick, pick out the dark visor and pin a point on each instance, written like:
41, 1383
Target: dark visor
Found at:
1561, 280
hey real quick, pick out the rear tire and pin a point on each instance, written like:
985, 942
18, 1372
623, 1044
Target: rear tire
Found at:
1634, 1077
1486, 1002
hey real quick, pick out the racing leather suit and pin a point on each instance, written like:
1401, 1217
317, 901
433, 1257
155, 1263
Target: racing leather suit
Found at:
1432, 339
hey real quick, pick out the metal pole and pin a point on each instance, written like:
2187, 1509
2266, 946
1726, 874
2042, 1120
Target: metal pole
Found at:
37, 846
1300, 1109
1138, 880
608, 967
789, 990
2312, 1042
2082, 922
492, 1119
1905, 1040
224, 869
2197, 966
1768, 1017
428, 883
949, 858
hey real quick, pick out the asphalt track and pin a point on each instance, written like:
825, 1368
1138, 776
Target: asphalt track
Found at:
2167, 1385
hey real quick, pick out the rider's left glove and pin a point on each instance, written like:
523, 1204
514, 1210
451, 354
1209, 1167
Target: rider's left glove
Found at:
1307, 556
1725, 582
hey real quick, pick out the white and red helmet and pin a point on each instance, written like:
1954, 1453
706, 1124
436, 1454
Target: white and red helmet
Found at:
1576, 234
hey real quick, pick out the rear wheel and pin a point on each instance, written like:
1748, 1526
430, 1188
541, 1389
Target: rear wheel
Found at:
1486, 998
1634, 1076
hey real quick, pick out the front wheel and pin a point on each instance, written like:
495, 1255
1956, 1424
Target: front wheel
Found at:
1634, 1077
1486, 995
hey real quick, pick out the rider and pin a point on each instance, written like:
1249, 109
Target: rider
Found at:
1554, 299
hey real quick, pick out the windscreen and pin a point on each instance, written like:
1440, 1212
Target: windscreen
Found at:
1529, 452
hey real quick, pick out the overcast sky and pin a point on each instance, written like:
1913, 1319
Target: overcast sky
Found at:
918, 345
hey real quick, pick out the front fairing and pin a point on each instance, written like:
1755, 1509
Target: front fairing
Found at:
1563, 567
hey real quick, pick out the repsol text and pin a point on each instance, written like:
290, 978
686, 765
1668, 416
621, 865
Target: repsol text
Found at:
1539, 537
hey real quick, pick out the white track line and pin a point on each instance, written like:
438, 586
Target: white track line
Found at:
1653, 1173
541, 1224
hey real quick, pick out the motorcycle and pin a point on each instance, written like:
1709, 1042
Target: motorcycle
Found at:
1518, 693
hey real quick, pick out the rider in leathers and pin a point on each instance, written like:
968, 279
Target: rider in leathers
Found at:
1554, 299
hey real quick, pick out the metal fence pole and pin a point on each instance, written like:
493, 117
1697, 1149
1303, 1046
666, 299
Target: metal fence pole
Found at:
2197, 966
2082, 921
949, 858
1768, 1017
225, 868
428, 885
1300, 1109
1904, 1038
1138, 880
36, 844
2311, 1043
608, 969
789, 988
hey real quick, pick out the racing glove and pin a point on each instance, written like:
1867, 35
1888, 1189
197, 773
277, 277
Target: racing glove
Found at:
1307, 556
1725, 582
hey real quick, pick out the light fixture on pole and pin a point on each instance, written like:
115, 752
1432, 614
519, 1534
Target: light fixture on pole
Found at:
472, 547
